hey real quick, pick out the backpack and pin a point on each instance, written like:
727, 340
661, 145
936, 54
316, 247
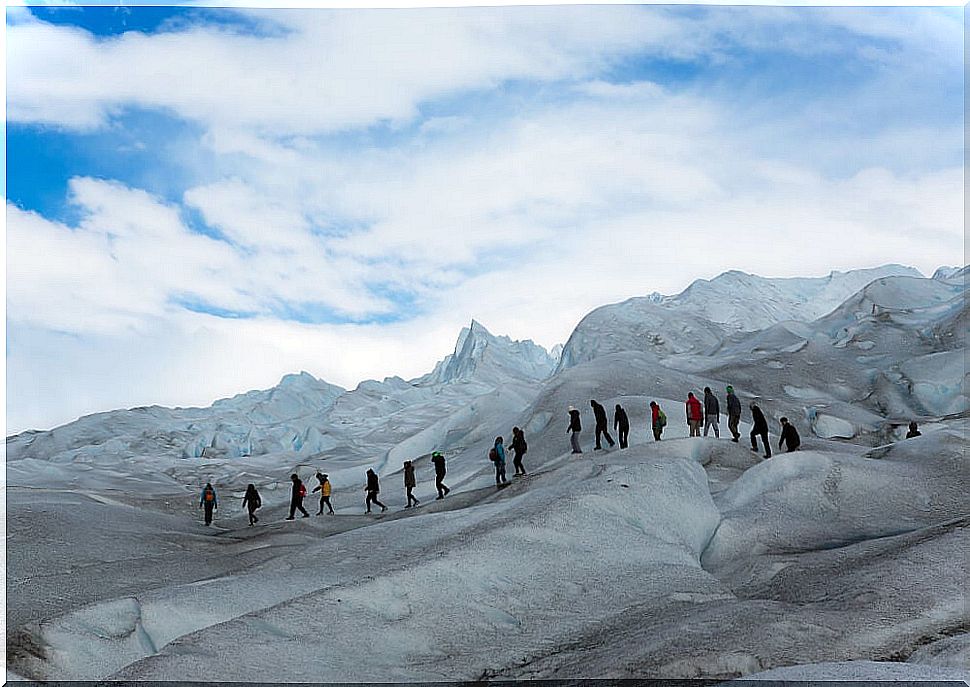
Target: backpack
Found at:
493, 455
661, 419
210, 495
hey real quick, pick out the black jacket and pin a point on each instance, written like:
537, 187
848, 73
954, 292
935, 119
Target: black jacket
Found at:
518, 443
620, 419
733, 405
711, 407
372, 483
790, 435
760, 423
599, 412
439, 464
295, 492
574, 425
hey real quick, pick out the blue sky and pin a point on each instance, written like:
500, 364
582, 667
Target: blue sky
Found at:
218, 196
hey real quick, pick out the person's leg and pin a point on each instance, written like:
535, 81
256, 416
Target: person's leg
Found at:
598, 432
707, 426
656, 434
369, 500
733, 427
574, 440
383, 507
208, 514
717, 433
322, 501
329, 506
302, 509
764, 440
609, 439
754, 440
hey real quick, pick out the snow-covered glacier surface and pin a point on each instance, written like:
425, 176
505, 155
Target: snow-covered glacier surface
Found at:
673, 559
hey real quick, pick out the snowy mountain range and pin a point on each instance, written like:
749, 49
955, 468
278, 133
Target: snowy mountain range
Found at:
592, 566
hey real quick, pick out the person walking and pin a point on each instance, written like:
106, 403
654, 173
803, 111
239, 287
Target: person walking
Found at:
438, 461
789, 436
373, 488
519, 448
251, 502
913, 431
409, 483
297, 494
621, 424
759, 428
712, 412
208, 502
599, 412
496, 454
324, 489
575, 428
734, 414
695, 415
657, 420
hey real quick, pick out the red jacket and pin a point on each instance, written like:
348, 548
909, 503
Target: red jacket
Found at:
654, 414
695, 411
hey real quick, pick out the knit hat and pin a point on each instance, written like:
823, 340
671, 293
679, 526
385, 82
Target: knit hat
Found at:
730, 389
571, 409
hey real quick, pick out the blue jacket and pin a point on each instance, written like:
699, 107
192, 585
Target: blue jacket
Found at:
215, 501
500, 450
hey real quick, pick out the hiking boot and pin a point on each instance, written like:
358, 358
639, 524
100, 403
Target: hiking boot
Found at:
289, 518
383, 508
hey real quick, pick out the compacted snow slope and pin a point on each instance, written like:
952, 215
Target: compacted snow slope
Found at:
683, 558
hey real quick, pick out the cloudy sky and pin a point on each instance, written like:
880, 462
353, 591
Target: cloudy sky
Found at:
202, 200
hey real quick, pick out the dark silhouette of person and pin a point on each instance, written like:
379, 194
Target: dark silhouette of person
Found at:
438, 461
324, 489
296, 497
695, 415
575, 427
251, 501
789, 436
519, 448
208, 502
712, 412
599, 412
621, 424
657, 420
913, 431
373, 488
409, 483
734, 414
759, 428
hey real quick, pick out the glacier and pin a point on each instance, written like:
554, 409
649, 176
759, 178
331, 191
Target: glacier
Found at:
682, 558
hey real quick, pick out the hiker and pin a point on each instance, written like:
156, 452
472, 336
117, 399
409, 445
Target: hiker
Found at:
438, 461
913, 431
496, 454
789, 436
695, 415
657, 420
296, 497
410, 482
324, 489
251, 502
519, 448
208, 502
712, 412
759, 428
599, 412
373, 488
734, 414
621, 423
575, 427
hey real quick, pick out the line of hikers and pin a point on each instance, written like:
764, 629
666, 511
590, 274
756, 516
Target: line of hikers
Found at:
697, 412
252, 501
707, 413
